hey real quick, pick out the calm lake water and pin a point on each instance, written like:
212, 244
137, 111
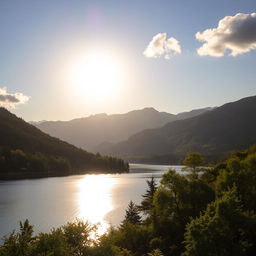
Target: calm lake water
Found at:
52, 202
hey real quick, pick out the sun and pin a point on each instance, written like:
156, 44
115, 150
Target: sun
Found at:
97, 76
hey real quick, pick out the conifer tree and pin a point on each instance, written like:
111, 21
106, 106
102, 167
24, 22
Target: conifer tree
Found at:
132, 214
147, 203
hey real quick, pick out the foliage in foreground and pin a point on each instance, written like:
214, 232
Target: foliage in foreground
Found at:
208, 211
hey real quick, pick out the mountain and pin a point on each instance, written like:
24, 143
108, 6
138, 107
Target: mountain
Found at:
97, 131
26, 149
192, 113
219, 131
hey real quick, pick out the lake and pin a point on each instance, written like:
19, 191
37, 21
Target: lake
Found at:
52, 202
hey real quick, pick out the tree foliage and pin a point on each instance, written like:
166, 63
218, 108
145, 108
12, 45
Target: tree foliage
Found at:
132, 214
224, 229
193, 160
146, 206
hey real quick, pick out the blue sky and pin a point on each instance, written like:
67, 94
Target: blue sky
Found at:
39, 38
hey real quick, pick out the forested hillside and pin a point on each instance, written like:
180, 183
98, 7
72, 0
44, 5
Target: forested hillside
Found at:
24, 148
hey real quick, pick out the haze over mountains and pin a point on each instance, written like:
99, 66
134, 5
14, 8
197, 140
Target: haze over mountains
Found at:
216, 132
97, 132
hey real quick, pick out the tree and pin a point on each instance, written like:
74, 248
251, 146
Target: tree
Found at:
146, 205
240, 173
53, 243
79, 236
132, 214
223, 230
176, 201
134, 238
193, 160
19, 244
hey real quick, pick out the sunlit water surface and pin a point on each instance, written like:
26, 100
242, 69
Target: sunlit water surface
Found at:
52, 202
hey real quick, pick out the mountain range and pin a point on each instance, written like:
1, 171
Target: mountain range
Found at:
97, 132
217, 132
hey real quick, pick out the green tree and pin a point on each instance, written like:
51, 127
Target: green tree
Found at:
193, 160
132, 214
134, 238
177, 200
79, 236
18, 244
146, 205
223, 230
52, 244
240, 173
181, 197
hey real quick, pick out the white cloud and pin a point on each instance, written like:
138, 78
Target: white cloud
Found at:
161, 46
236, 34
11, 100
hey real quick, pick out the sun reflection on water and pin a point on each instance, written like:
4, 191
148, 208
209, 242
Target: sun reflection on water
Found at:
95, 199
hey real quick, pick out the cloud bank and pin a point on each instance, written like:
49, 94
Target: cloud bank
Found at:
11, 100
160, 45
236, 34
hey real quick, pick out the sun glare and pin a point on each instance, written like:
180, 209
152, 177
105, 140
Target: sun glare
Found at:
97, 76
94, 199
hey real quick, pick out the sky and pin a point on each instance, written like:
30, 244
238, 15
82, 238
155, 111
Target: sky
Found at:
66, 59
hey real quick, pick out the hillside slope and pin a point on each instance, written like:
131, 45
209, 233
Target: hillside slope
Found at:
224, 129
16, 134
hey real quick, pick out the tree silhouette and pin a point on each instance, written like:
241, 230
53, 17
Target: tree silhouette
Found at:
147, 203
132, 214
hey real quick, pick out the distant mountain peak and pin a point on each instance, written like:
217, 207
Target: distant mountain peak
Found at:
150, 109
143, 110
90, 132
